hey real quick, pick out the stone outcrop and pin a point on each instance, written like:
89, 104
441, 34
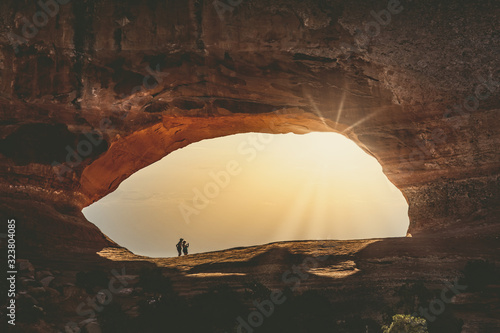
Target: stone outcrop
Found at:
102, 88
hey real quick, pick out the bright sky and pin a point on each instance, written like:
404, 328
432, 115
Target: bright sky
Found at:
250, 189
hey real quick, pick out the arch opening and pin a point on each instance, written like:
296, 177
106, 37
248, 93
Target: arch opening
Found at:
253, 188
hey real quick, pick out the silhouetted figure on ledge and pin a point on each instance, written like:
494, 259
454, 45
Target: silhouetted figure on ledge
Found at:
185, 247
179, 246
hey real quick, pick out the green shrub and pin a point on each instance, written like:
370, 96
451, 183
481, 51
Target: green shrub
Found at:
406, 324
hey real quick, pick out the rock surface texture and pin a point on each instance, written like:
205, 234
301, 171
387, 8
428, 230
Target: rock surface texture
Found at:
94, 90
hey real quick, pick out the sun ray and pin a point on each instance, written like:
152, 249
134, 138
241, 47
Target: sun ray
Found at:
340, 109
318, 228
371, 115
315, 108
296, 214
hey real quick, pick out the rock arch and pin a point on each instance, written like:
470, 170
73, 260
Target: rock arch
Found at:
406, 96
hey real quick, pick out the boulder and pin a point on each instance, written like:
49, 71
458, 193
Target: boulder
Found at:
41, 274
25, 267
47, 280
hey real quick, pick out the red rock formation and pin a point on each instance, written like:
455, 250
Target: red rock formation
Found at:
151, 77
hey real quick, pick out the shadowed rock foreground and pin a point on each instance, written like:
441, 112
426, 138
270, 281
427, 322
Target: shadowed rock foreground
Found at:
104, 88
328, 286
108, 87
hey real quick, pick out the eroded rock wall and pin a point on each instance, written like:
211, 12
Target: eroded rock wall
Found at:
415, 84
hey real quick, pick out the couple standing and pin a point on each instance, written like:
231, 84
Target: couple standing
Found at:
182, 246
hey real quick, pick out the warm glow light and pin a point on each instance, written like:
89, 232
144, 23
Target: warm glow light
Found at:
253, 189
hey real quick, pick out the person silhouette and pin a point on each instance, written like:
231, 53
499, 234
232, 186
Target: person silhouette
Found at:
185, 247
179, 246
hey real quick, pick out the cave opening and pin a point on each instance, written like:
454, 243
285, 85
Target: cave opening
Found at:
251, 189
